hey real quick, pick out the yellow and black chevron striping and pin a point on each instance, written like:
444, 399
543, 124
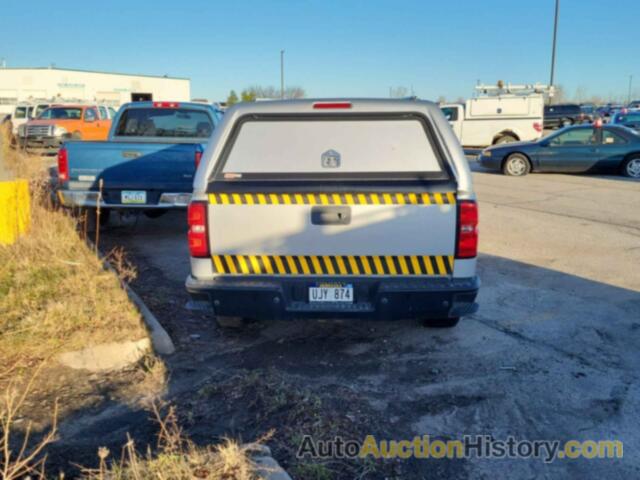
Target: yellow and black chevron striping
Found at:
332, 198
333, 264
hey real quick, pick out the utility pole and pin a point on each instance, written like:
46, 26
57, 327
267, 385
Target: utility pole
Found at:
629, 95
282, 74
553, 48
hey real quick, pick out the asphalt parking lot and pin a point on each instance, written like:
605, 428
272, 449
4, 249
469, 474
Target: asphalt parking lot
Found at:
551, 354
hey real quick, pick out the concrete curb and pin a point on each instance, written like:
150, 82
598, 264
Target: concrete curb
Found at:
267, 467
160, 339
106, 356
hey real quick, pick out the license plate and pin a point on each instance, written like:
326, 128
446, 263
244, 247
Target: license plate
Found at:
133, 196
331, 292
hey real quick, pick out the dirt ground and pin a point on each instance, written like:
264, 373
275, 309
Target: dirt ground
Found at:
551, 354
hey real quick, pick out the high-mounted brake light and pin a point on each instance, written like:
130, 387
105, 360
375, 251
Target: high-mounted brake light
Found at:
537, 126
331, 105
198, 157
166, 105
198, 236
467, 229
63, 165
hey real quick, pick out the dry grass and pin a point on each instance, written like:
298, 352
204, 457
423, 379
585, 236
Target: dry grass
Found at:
23, 458
54, 292
177, 458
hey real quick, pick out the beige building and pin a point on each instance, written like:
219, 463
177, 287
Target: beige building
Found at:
26, 84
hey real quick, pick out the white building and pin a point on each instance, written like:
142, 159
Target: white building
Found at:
26, 84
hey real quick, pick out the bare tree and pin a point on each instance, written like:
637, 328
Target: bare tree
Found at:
256, 92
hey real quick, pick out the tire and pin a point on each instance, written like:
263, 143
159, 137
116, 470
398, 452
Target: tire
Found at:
516, 165
230, 322
631, 167
441, 322
155, 213
505, 139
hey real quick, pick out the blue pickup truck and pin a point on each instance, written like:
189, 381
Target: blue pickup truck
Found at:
146, 164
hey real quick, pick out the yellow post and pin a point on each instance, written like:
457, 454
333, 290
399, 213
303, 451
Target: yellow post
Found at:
15, 210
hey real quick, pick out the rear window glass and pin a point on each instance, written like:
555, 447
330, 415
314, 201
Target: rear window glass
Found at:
331, 146
62, 113
164, 122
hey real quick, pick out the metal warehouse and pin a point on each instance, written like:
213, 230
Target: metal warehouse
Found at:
50, 83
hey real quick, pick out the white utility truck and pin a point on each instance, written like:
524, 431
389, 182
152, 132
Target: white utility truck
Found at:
499, 114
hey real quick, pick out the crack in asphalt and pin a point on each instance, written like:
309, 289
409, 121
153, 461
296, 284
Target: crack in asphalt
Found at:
539, 343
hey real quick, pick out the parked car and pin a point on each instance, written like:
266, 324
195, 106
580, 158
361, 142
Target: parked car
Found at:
58, 123
147, 163
588, 113
562, 115
490, 120
23, 112
634, 104
606, 112
107, 111
582, 148
338, 208
627, 118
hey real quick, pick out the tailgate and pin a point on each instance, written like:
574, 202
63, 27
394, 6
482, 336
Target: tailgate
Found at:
368, 233
140, 166
337, 195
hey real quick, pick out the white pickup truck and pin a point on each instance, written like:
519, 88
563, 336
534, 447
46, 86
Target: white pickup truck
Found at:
334, 208
494, 119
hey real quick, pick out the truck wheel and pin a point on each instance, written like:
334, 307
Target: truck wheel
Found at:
505, 139
441, 322
631, 167
516, 165
230, 322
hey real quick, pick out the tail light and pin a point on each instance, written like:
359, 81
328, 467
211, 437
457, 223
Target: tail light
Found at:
198, 237
63, 165
198, 157
467, 246
537, 126
597, 123
331, 105
166, 105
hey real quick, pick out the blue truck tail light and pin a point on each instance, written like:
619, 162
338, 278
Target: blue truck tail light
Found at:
63, 165
166, 105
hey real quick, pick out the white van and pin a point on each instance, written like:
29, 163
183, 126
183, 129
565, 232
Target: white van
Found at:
23, 112
334, 208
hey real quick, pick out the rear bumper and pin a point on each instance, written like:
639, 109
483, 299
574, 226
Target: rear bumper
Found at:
374, 298
89, 199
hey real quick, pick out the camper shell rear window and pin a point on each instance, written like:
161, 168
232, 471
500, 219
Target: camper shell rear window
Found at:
332, 146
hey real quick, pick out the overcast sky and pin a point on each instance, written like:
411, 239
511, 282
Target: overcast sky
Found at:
333, 48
